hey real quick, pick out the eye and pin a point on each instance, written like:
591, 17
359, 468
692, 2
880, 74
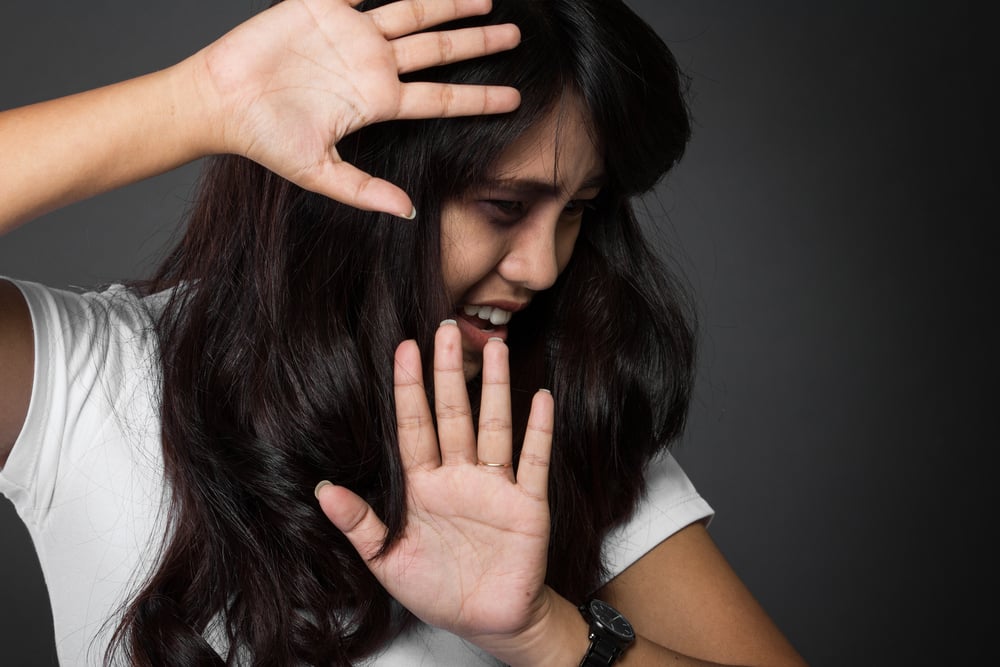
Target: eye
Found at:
506, 210
577, 207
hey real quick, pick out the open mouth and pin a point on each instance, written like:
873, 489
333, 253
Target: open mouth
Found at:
486, 318
481, 323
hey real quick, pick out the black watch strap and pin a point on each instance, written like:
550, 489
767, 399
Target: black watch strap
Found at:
610, 634
602, 652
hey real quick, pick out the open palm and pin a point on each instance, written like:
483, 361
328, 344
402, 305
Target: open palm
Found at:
294, 80
472, 557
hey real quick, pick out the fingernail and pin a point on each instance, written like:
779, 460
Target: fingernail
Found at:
448, 322
320, 486
496, 338
412, 215
546, 391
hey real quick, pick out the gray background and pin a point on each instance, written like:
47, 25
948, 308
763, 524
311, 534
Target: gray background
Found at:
833, 219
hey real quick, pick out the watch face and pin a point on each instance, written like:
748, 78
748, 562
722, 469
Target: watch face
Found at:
612, 620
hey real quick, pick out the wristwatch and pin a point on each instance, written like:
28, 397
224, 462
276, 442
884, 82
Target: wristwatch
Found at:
610, 634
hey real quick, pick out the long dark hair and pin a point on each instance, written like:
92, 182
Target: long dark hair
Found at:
278, 339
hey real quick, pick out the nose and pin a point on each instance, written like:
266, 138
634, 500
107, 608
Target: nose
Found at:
538, 249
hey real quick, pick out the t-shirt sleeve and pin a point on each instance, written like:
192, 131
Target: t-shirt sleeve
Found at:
670, 504
82, 344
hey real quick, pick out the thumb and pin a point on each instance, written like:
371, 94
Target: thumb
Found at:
352, 516
349, 185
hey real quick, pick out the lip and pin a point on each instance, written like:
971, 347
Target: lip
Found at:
475, 337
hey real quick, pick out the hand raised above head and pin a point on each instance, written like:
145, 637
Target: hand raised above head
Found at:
472, 557
287, 85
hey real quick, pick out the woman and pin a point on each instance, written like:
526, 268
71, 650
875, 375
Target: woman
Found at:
292, 336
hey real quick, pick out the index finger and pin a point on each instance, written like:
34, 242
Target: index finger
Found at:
414, 427
408, 16
533, 465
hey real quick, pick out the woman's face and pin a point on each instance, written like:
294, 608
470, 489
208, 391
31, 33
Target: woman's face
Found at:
510, 238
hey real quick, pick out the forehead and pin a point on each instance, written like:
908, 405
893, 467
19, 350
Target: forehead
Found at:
560, 150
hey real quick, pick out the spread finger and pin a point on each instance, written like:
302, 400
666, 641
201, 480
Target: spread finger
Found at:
439, 100
456, 436
533, 464
414, 426
408, 16
429, 49
494, 441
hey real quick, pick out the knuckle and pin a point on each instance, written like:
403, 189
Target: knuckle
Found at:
446, 47
494, 425
543, 429
448, 411
447, 99
419, 11
362, 186
410, 422
534, 460
358, 517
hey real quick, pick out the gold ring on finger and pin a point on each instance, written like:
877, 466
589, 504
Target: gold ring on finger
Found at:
495, 465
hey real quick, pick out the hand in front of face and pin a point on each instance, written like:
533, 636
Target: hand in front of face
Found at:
473, 555
291, 82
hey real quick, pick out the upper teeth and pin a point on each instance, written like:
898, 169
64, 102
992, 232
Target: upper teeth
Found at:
494, 315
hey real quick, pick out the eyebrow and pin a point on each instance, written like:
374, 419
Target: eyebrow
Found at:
532, 186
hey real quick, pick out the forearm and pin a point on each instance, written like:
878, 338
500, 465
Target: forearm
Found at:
57, 152
282, 89
561, 638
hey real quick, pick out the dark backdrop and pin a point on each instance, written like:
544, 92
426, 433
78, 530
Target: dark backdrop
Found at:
831, 216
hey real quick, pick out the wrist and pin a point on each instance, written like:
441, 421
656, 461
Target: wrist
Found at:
558, 635
198, 121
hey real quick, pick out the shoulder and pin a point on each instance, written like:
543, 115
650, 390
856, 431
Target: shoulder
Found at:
115, 305
670, 503
84, 358
70, 326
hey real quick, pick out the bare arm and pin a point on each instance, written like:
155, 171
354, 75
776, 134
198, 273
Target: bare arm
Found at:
684, 600
684, 594
687, 605
17, 358
65, 150
282, 89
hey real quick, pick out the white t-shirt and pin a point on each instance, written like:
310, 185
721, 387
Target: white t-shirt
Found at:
86, 476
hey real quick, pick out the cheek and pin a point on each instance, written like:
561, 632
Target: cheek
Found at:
465, 263
565, 243
453, 271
